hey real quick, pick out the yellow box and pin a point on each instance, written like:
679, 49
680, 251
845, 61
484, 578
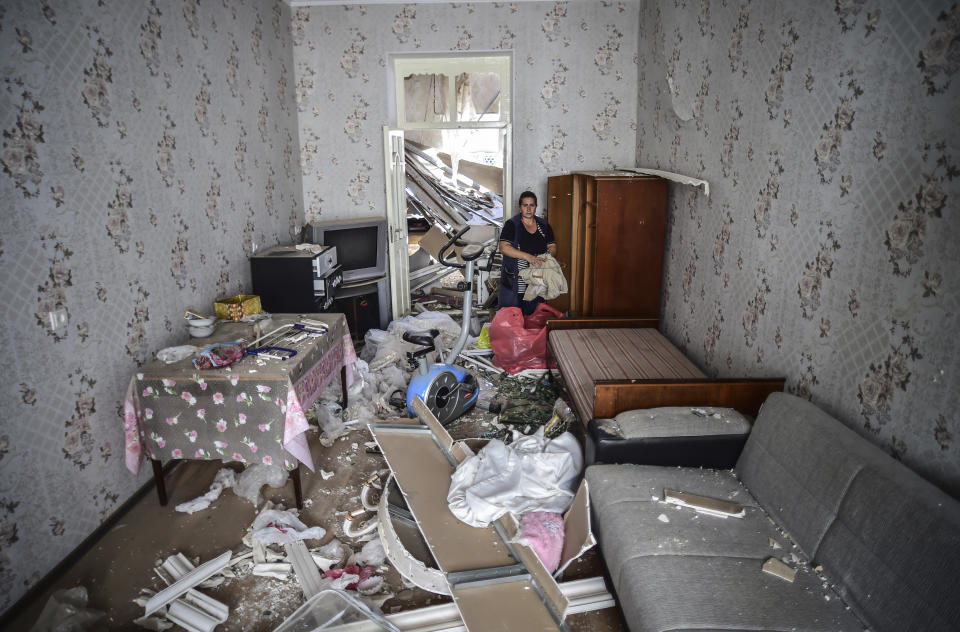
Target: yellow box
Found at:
236, 307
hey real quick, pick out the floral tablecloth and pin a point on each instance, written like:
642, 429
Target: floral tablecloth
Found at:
251, 411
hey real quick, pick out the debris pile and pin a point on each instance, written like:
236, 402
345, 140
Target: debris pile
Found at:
274, 548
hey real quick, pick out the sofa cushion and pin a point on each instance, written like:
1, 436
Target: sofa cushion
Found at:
727, 593
673, 568
587, 355
676, 421
672, 435
895, 549
890, 538
798, 463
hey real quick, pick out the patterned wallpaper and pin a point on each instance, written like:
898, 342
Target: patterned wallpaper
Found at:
827, 250
574, 88
147, 146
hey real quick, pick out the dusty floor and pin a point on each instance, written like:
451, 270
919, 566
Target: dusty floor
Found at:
121, 563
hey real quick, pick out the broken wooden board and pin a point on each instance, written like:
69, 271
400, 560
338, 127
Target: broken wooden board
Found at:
508, 605
423, 475
481, 567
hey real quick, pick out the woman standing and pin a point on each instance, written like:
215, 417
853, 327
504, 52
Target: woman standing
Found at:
524, 236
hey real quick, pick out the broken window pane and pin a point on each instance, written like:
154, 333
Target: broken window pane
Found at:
425, 98
478, 96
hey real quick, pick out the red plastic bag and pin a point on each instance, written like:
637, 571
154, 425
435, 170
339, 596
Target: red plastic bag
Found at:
520, 342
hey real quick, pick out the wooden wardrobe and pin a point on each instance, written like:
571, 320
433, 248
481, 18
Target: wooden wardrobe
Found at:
610, 228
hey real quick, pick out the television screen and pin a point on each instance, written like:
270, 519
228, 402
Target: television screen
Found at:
361, 245
356, 247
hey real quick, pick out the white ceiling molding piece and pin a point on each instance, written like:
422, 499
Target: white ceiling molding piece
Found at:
669, 175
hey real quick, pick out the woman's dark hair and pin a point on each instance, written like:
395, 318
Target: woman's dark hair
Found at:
528, 194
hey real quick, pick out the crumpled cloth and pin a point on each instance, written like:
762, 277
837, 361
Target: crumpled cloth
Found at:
220, 355
175, 354
545, 280
272, 526
531, 474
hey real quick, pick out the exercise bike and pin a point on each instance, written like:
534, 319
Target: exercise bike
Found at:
448, 390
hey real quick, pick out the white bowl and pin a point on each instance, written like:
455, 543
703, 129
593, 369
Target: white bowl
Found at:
201, 332
200, 322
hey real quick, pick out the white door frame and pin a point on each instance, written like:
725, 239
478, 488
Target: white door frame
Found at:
395, 168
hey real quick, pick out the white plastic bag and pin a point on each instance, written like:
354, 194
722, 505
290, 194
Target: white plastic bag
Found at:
225, 478
531, 474
256, 476
282, 527
175, 354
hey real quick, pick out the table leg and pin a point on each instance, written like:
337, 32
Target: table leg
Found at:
297, 490
343, 384
158, 480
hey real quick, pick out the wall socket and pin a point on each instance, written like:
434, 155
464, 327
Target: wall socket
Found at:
58, 318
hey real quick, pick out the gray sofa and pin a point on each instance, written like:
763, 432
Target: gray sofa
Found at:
875, 546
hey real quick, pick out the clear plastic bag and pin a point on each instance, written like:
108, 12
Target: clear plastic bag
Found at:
371, 343
256, 476
66, 611
330, 419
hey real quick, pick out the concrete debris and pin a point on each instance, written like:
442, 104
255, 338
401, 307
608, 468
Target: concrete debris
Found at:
277, 570
153, 623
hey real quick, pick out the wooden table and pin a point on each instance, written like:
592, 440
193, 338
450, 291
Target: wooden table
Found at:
251, 411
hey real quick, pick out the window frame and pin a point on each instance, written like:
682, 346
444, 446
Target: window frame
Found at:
452, 65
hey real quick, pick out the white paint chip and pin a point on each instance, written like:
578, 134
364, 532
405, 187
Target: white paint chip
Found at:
663, 518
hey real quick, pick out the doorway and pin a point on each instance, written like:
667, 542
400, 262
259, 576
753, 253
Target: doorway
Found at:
453, 134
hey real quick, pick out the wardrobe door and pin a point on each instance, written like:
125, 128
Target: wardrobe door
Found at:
560, 217
628, 247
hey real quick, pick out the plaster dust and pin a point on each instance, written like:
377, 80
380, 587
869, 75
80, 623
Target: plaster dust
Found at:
121, 564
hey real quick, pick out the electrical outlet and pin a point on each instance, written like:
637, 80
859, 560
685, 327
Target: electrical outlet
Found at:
58, 319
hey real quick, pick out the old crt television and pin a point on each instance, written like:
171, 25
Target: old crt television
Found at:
361, 245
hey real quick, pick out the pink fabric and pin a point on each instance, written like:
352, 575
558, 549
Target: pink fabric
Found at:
131, 433
294, 430
542, 531
312, 383
365, 572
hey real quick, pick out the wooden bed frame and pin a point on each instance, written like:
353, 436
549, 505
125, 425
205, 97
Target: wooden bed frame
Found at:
616, 396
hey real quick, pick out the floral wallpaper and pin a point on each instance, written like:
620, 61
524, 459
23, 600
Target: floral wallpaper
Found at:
826, 251
574, 85
147, 148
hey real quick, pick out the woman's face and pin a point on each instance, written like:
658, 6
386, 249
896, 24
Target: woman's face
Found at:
528, 208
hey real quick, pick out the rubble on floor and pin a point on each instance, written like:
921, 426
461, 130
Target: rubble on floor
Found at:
276, 576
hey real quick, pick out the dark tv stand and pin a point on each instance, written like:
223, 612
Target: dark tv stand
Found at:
365, 302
